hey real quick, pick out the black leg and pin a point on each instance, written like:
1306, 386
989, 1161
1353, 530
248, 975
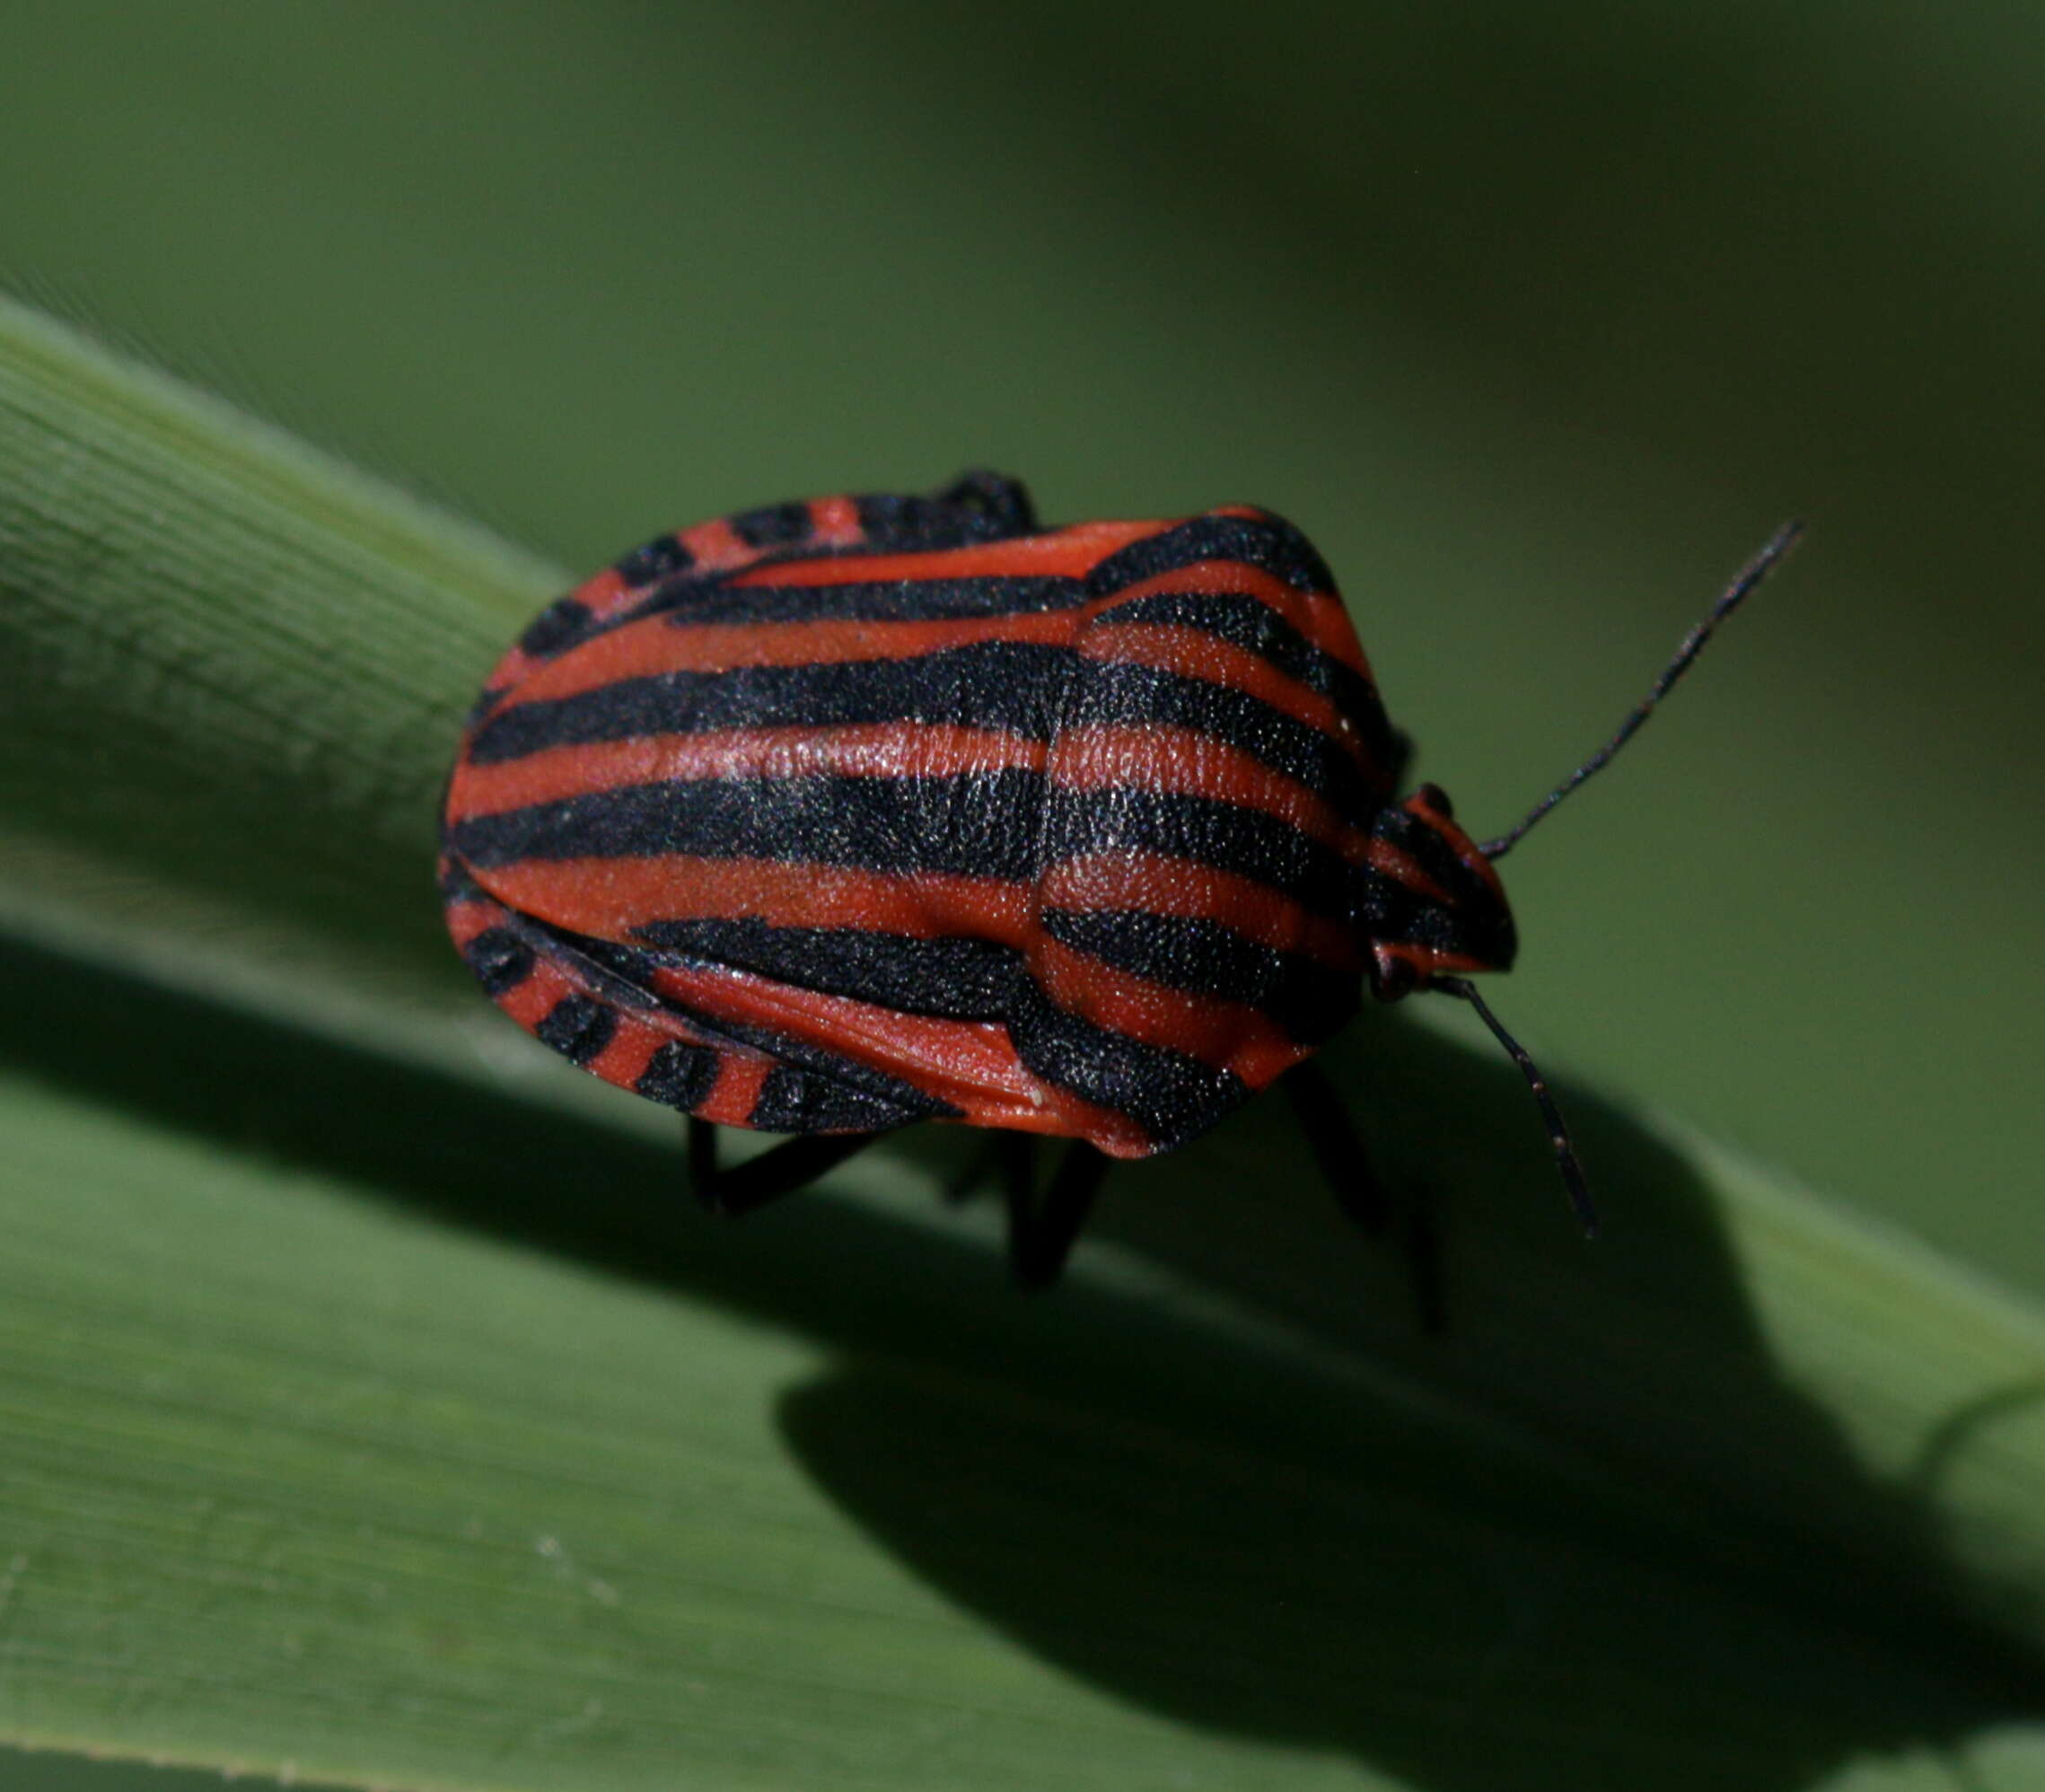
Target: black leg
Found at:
702, 1137
1339, 1153
779, 1170
1006, 1159
1338, 1148
1042, 1233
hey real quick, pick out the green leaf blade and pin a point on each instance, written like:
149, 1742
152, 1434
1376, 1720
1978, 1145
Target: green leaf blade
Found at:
372, 1406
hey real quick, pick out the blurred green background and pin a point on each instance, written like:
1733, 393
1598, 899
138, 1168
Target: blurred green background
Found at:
1538, 320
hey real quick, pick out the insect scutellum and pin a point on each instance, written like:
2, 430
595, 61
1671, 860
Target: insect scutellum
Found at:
1432, 905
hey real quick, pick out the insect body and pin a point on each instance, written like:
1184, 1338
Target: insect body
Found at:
832, 816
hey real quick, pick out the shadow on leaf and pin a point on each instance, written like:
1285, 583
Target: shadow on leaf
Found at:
1589, 1537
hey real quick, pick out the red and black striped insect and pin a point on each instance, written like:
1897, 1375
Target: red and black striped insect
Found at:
828, 817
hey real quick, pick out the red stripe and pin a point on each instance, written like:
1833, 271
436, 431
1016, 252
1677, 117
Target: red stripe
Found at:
1227, 1035
741, 1077
1404, 870
1183, 762
532, 999
834, 522
970, 1064
1425, 960
1058, 553
631, 1049
609, 896
465, 921
716, 546
879, 750
602, 592
1157, 885
1451, 836
1319, 616
657, 645
599, 595
1194, 652
508, 670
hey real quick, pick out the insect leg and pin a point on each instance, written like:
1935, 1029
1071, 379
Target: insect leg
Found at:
779, 1170
1041, 1232
1338, 1148
1339, 1153
1006, 1159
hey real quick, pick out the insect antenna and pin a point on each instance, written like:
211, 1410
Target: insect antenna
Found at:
1558, 1128
1749, 576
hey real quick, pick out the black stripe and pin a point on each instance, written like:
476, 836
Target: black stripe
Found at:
1001, 499
577, 1027
1171, 1096
1252, 625
902, 1101
1305, 997
956, 979
773, 525
618, 984
659, 558
680, 1076
1218, 835
1263, 540
796, 1100
456, 885
1400, 827
482, 707
1016, 686
979, 507
909, 524
982, 825
979, 824
500, 959
1472, 920
556, 628
883, 601
1124, 693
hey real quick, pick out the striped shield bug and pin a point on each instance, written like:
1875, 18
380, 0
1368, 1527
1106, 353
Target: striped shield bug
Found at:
828, 817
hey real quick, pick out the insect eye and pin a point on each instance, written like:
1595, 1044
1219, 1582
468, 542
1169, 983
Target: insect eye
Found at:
1437, 799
